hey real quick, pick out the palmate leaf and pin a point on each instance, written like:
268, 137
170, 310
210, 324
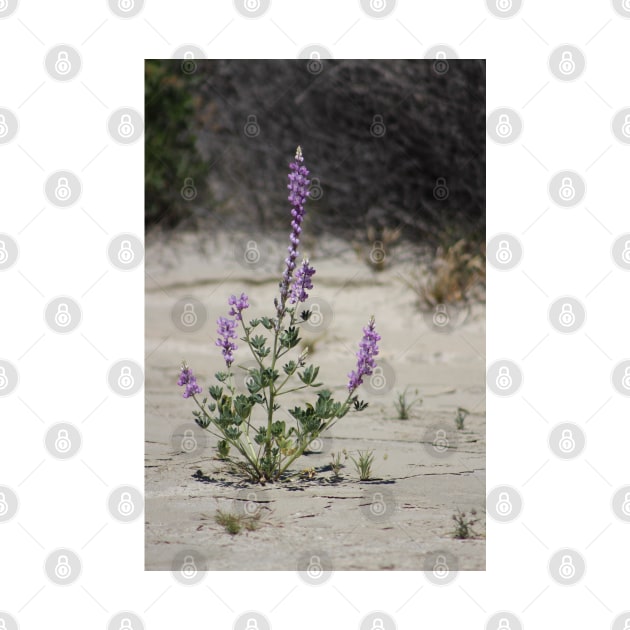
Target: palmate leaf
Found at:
309, 375
289, 368
243, 406
289, 337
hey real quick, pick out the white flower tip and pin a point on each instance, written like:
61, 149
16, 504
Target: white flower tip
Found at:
298, 153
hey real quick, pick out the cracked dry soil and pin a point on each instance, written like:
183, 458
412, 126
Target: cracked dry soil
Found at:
397, 521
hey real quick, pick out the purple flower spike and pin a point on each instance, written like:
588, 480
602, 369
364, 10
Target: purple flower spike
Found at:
188, 379
298, 192
368, 349
238, 305
227, 331
302, 282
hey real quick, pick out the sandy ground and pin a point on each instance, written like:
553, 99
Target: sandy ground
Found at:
424, 468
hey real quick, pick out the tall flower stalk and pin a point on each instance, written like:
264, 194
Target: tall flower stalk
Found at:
266, 445
298, 192
368, 349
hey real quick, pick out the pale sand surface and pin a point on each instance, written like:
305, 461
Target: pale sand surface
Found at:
420, 489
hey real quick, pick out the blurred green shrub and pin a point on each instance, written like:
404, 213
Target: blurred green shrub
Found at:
175, 173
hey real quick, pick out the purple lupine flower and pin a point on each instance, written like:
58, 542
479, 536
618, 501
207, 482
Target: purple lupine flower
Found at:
298, 192
188, 379
238, 305
368, 349
227, 331
302, 282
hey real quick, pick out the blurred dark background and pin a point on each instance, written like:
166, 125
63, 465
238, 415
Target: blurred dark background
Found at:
391, 144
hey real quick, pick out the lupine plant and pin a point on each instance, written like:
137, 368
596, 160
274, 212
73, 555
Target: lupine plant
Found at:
253, 422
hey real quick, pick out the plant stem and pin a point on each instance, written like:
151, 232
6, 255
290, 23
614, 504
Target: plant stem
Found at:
288, 391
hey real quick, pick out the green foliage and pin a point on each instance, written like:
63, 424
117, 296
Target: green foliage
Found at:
223, 449
335, 464
460, 417
234, 523
404, 406
363, 464
171, 157
267, 449
464, 524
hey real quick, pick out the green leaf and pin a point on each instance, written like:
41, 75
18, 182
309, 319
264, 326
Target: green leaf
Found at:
267, 323
258, 341
309, 375
232, 433
242, 406
215, 391
268, 376
289, 337
204, 422
289, 368
261, 436
222, 376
